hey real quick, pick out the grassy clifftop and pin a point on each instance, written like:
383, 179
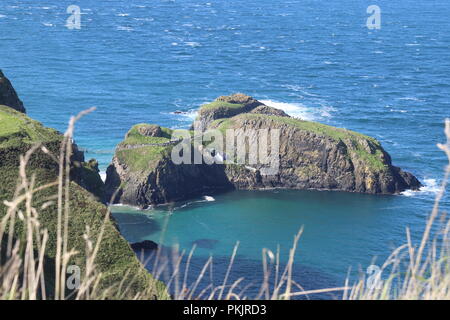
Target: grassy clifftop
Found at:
116, 261
18, 129
144, 145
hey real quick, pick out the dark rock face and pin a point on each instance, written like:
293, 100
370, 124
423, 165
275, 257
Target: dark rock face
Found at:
86, 174
311, 156
165, 183
311, 161
8, 95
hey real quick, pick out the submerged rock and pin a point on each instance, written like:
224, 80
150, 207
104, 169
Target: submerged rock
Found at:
311, 156
144, 245
206, 243
8, 95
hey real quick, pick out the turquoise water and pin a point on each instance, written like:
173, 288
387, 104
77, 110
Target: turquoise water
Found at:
140, 61
343, 233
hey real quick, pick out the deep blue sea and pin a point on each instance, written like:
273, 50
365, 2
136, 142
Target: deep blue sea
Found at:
140, 61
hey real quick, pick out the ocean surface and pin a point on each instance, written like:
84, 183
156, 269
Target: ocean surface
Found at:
141, 61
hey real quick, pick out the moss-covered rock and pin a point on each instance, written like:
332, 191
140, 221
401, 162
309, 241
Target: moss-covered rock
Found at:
87, 175
224, 107
115, 260
270, 111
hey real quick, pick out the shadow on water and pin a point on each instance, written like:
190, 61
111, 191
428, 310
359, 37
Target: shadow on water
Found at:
135, 227
205, 243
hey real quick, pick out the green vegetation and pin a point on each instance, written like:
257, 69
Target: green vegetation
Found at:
135, 137
18, 129
115, 261
220, 105
142, 159
90, 178
364, 147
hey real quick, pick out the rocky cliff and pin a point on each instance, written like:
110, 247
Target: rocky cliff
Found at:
143, 174
311, 156
8, 96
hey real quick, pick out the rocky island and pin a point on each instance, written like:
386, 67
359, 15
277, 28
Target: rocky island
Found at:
311, 156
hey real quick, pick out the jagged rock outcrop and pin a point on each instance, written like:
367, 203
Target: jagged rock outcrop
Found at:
311, 156
87, 175
270, 111
224, 107
8, 96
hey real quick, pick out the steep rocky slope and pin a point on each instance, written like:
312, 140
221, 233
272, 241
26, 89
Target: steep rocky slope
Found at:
115, 259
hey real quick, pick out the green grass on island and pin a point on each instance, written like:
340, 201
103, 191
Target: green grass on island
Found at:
220, 105
373, 159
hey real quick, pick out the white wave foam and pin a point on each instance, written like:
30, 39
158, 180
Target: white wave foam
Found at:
189, 115
192, 44
125, 28
103, 175
2, 16
299, 110
430, 187
398, 110
126, 206
144, 19
209, 198
410, 99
